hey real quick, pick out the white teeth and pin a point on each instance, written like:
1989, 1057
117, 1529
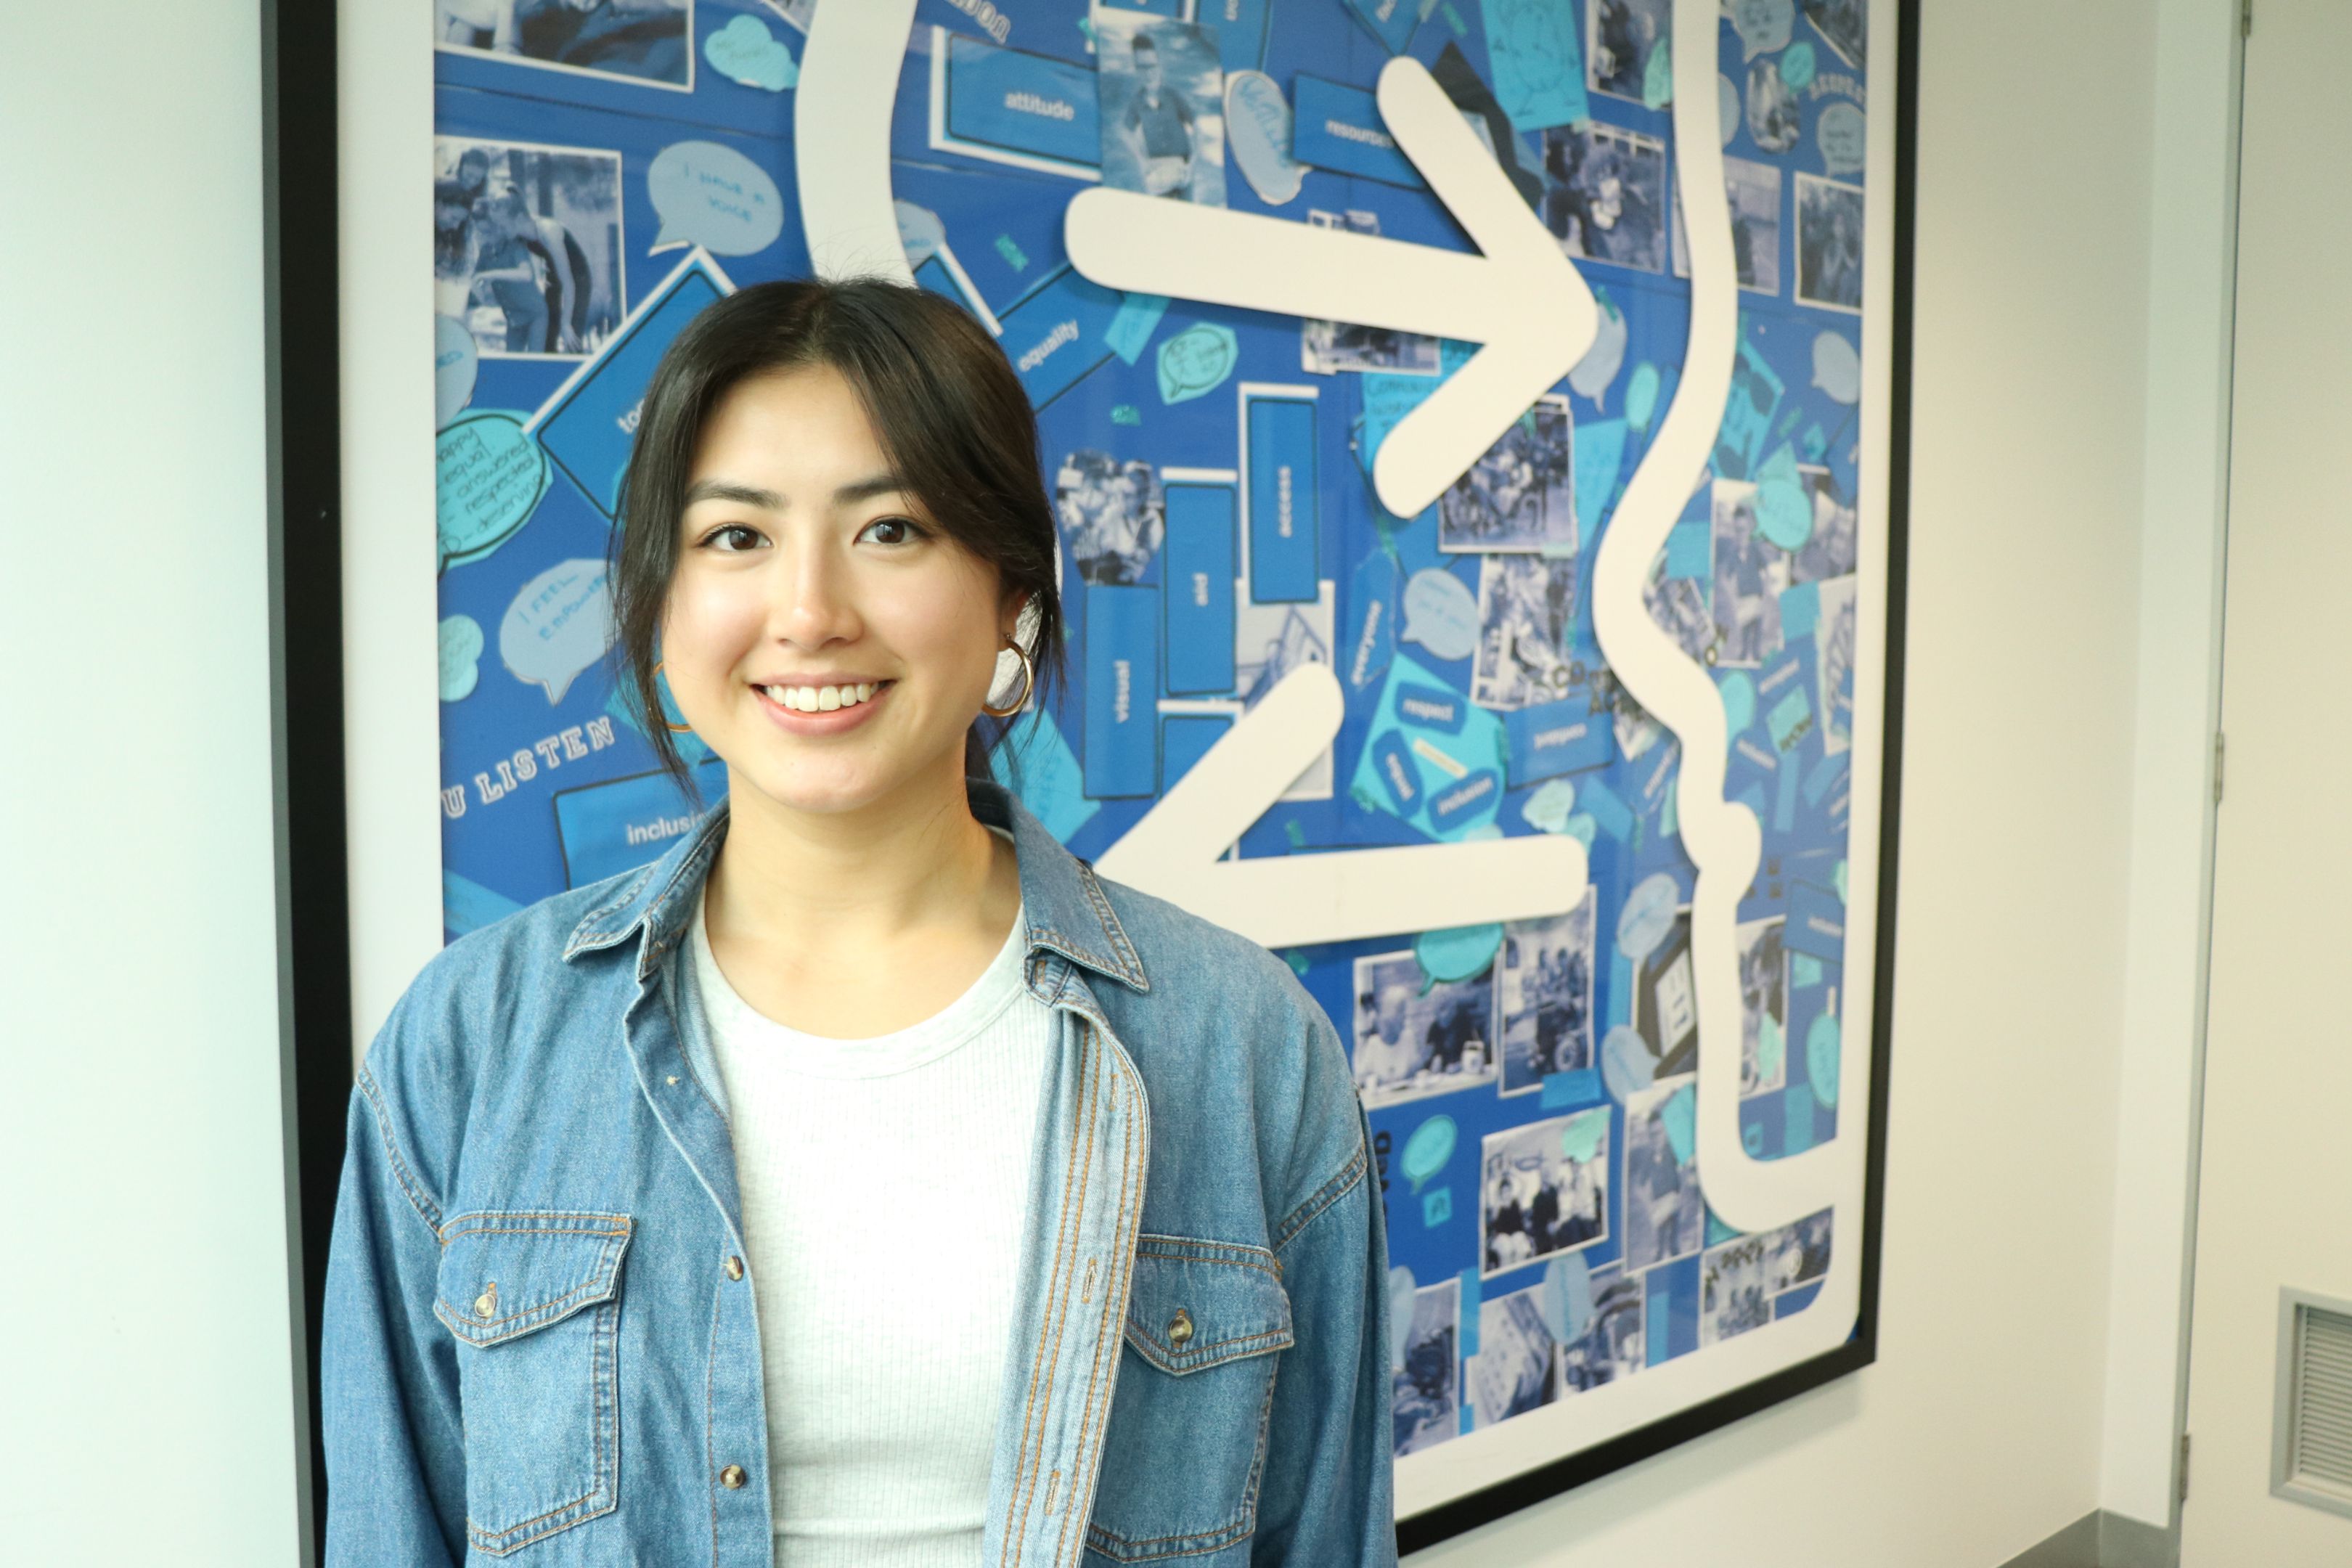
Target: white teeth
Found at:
821, 699
828, 698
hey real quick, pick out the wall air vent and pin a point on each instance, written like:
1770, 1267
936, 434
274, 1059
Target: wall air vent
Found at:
2311, 1441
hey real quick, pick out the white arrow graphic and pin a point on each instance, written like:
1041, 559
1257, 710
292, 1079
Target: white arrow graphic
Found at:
1284, 900
1522, 298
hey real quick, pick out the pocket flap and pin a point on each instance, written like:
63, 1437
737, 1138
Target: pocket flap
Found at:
507, 1273
1196, 1304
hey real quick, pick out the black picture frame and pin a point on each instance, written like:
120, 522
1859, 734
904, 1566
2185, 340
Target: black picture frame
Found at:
299, 60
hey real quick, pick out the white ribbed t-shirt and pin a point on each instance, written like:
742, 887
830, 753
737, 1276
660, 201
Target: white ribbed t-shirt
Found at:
883, 1186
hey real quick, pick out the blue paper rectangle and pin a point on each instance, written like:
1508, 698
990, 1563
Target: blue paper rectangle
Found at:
1282, 510
1578, 1086
1131, 327
1816, 922
466, 905
1797, 1106
1123, 730
1690, 549
1784, 808
1241, 28
1056, 336
1824, 774
1469, 1326
1389, 21
614, 826
1796, 1301
1185, 739
1339, 128
1554, 738
933, 275
589, 431
1801, 607
1021, 102
1198, 571
1614, 816
1657, 1321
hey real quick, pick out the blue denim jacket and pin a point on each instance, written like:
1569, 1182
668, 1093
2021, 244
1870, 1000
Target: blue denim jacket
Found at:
538, 1345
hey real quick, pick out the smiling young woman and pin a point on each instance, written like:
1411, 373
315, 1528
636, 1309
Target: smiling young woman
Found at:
867, 1180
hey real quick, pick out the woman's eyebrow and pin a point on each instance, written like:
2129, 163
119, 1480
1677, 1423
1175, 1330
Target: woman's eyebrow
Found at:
849, 494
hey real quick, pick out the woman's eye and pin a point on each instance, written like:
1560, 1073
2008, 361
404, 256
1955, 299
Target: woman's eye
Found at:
896, 530
732, 536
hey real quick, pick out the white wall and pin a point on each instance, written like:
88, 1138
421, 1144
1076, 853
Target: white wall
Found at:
146, 1391
1978, 1433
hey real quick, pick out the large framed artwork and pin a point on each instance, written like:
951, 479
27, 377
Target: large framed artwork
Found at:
1477, 431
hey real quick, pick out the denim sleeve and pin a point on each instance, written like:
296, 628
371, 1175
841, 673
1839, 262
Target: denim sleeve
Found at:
1324, 1498
388, 1375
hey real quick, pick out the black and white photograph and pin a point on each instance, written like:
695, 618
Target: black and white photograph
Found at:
1732, 1297
1521, 492
1633, 726
1666, 1008
1425, 1403
1525, 605
1797, 1254
1417, 1036
527, 246
1517, 1368
1749, 572
1623, 33
1666, 1217
1753, 193
1833, 663
1325, 348
646, 41
1610, 1346
1844, 27
1679, 606
1113, 515
1543, 994
1773, 121
1764, 1006
797, 12
1830, 551
1605, 194
1270, 640
1161, 92
1543, 1189
1829, 244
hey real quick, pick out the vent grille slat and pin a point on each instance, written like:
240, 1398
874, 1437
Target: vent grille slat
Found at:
2322, 1394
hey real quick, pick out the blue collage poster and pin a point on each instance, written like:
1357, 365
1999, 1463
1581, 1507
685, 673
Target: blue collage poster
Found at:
1532, 1085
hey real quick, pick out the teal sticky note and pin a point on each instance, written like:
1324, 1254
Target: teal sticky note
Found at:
1436, 1207
1679, 1116
1797, 1107
1600, 455
1469, 1326
1804, 971
1718, 1233
1801, 607
1620, 988
1132, 325
1690, 549
1657, 1325
1578, 1086
1789, 717
1602, 804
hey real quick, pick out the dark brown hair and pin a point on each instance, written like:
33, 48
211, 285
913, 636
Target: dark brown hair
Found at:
951, 415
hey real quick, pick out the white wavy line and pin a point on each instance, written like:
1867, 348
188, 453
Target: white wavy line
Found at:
1722, 837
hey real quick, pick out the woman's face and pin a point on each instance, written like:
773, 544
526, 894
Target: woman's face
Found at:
803, 568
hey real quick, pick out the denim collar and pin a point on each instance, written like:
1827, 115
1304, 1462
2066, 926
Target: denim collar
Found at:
1063, 901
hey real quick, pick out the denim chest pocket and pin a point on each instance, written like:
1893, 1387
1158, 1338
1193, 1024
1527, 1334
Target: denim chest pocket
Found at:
533, 1299
1187, 1438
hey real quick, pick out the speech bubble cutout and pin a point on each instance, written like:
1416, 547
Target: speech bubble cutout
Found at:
1402, 1285
1444, 711
1392, 762
1647, 917
1797, 67
1258, 133
1824, 1046
488, 475
1580, 1139
1658, 76
1627, 1068
1440, 613
1197, 360
1457, 952
1584, 827
713, 196
461, 657
1547, 810
559, 625
1837, 368
1568, 1296
1599, 367
1739, 703
921, 235
1375, 604
1763, 25
1727, 109
1843, 133
1426, 1151
456, 361
1679, 1116
1642, 395
1784, 513
745, 51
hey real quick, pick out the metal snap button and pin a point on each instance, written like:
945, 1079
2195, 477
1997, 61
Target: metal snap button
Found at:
732, 1478
734, 1268
486, 1305
1179, 1328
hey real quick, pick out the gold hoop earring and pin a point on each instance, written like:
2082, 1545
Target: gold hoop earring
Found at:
673, 729
1028, 681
